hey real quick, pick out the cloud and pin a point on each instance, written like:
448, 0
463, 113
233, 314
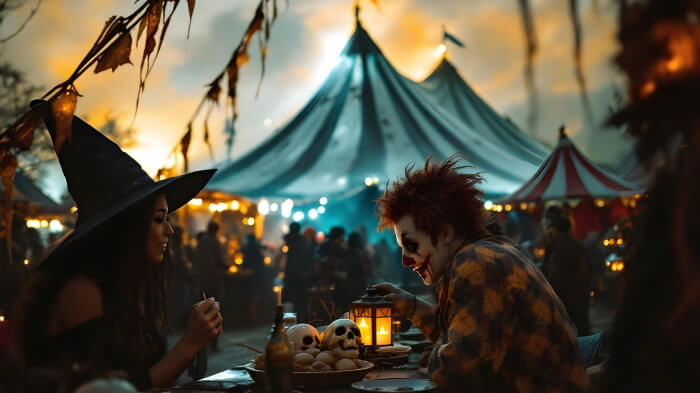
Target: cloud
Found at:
305, 41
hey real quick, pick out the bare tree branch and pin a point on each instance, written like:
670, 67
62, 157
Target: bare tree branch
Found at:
21, 27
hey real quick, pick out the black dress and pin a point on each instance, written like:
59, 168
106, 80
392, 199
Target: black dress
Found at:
93, 345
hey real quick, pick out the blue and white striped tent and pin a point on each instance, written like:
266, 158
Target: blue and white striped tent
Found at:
366, 120
449, 90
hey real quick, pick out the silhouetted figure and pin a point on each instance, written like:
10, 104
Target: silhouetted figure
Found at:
258, 283
209, 265
568, 271
296, 270
359, 270
180, 287
334, 265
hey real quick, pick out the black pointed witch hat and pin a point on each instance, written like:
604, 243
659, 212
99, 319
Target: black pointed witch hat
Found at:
104, 181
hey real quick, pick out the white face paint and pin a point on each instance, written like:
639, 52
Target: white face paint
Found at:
419, 252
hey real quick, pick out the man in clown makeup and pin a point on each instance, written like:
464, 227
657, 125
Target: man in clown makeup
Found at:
498, 325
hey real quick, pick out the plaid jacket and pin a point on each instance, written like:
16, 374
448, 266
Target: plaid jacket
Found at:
499, 326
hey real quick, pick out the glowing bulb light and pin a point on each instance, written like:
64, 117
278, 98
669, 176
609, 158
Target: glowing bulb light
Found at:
263, 207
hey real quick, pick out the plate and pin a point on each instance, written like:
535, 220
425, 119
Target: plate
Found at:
318, 379
412, 334
395, 385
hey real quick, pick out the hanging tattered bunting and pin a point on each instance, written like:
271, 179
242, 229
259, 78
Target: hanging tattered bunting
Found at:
185, 146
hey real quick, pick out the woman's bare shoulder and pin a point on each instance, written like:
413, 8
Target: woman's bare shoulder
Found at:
79, 301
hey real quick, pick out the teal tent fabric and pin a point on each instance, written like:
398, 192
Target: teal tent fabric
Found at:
449, 90
366, 120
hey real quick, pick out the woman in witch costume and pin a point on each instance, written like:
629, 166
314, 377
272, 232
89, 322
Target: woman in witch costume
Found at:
98, 299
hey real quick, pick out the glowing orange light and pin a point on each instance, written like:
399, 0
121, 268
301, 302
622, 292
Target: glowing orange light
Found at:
648, 88
674, 64
238, 260
285, 249
233, 269
365, 332
605, 242
619, 242
268, 260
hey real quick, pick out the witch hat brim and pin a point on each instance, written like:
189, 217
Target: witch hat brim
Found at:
100, 206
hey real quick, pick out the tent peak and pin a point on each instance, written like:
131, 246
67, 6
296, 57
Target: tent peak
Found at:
562, 132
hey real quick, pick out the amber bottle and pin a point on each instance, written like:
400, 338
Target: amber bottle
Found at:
279, 357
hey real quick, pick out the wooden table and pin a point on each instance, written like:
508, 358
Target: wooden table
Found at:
237, 379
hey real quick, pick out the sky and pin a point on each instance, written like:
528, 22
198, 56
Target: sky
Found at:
305, 41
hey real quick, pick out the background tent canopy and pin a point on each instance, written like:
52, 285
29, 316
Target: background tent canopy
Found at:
366, 120
449, 90
568, 174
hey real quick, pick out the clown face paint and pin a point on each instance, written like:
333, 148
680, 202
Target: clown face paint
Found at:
419, 253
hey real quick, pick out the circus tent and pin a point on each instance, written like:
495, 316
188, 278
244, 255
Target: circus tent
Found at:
365, 121
567, 174
449, 90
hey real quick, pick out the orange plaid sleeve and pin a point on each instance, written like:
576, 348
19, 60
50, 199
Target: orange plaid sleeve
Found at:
501, 328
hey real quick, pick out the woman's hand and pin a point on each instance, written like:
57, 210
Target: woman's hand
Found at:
404, 301
205, 324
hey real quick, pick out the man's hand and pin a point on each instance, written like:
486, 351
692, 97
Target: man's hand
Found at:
404, 301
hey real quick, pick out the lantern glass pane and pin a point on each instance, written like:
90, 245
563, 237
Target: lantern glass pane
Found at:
383, 330
383, 312
363, 319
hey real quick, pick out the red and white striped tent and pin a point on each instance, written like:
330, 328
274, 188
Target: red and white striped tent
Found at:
567, 174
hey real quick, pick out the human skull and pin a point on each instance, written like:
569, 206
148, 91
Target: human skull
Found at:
304, 338
342, 337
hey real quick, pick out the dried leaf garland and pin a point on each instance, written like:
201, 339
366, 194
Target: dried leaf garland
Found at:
530, 53
190, 8
166, 23
578, 67
8, 165
63, 107
152, 23
185, 145
214, 89
26, 126
116, 54
240, 56
207, 141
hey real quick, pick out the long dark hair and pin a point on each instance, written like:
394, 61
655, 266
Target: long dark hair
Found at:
133, 290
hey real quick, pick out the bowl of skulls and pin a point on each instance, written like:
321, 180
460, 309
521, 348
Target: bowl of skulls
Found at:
321, 361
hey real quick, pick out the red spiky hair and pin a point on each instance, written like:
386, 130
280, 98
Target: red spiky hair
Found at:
434, 196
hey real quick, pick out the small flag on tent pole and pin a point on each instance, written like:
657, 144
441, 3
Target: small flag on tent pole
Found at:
450, 37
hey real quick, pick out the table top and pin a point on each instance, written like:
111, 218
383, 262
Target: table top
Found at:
237, 380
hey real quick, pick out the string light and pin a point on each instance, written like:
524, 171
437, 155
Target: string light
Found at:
313, 214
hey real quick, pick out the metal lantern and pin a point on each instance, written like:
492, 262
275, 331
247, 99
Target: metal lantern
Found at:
373, 315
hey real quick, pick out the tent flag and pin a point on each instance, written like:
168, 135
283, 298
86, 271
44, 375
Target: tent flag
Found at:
449, 37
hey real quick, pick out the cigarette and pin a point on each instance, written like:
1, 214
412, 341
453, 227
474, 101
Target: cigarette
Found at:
204, 297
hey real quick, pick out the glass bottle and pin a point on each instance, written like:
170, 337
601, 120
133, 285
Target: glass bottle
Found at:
279, 357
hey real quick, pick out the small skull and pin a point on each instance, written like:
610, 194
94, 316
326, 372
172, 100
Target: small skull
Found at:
342, 337
305, 338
